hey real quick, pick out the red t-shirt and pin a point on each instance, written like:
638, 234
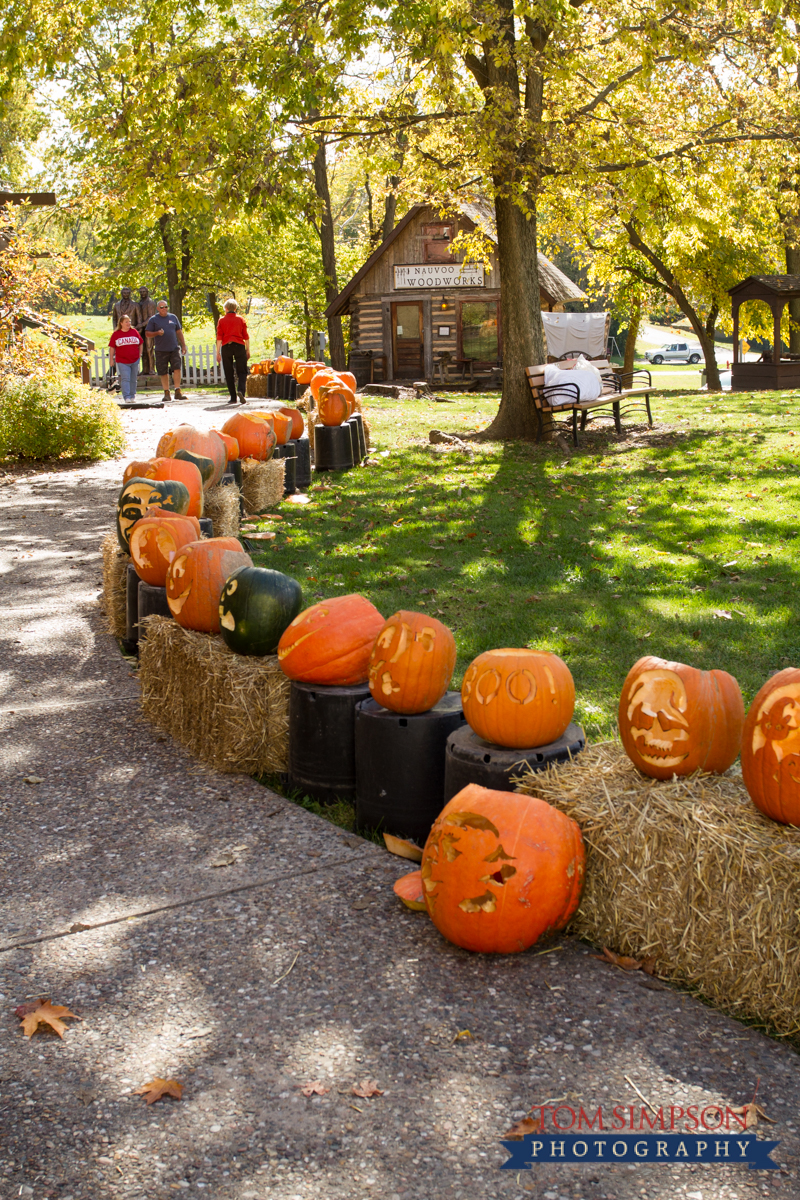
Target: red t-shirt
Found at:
127, 345
232, 328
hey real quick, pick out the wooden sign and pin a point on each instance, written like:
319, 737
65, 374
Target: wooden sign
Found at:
438, 275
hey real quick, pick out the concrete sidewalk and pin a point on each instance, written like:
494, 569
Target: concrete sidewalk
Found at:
206, 929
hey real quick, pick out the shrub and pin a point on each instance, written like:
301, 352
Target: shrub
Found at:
54, 415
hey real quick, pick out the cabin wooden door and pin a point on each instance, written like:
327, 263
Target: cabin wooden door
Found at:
407, 340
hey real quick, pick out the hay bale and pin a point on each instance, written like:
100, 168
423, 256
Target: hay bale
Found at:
115, 568
232, 712
689, 872
262, 484
221, 504
256, 386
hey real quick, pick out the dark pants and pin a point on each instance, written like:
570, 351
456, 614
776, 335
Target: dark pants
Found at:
234, 364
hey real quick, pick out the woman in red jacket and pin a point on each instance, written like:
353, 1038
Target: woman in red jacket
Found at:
233, 351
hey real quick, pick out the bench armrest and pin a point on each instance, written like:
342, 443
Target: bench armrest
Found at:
561, 394
640, 376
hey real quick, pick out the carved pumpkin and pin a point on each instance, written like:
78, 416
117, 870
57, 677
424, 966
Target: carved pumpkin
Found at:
409, 889
334, 403
412, 662
256, 438
282, 426
499, 870
296, 418
185, 472
255, 607
331, 642
674, 719
231, 444
518, 698
196, 577
283, 365
154, 542
771, 748
141, 470
304, 371
208, 445
139, 495
326, 375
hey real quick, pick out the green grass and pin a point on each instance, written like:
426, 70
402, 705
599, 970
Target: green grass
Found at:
629, 548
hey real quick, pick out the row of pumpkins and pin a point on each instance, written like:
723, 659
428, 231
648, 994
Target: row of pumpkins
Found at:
334, 392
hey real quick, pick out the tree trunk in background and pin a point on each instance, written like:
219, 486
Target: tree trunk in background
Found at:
179, 259
328, 247
390, 209
633, 333
793, 268
214, 307
307, 325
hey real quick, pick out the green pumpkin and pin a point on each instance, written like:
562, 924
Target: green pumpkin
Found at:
204, 465
255, 608
140, 494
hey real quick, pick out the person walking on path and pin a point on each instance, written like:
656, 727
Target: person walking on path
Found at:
165, 329
125, 345
233, 351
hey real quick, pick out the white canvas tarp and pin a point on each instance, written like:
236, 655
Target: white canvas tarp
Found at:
585, 333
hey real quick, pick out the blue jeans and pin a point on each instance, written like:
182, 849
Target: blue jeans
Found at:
128, 375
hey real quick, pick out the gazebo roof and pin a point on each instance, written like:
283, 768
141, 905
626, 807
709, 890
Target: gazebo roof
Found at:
765, 287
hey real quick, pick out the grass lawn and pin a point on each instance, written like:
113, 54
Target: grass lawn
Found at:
677, 541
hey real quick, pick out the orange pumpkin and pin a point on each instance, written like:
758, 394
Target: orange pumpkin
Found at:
282, 426
499, 870
231, 444
156, 539
303, 371
185, 472
674, 719
334, 403
296, 418
409, 889
518, 698
283, 365
326, 375
255, 437
412, 662
196, 577
348, 378
331, 642
207, 445
771, 748
140, 470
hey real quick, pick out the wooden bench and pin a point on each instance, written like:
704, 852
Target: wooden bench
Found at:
565, 397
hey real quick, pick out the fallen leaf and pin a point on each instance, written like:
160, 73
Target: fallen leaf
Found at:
157, 1088
465, 1033
723, 615
402, 847
223, 860
520, 1130
626, 963
32, 779
315, 1088
44, 1013
366, 1089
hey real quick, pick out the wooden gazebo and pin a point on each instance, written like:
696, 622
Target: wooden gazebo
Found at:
782, 370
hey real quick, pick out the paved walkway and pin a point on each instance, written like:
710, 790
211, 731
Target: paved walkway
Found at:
205, 929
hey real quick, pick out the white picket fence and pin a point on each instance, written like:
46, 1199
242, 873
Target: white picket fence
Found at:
200, 366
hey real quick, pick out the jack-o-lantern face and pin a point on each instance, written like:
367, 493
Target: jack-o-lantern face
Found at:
411, 663
500, 869
771, 748
518, 698
139, 495
155, 541
196, 577
674, 719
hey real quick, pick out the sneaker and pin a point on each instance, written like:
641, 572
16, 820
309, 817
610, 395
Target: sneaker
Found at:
179, 394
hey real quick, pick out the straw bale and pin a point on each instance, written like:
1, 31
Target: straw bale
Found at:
221, 504
230, 711
115, 568
262, 484
257, 386
690, 873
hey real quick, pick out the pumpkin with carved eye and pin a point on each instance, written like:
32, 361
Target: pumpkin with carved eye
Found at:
412, 663
283, 365
155, 540
675, 719
518, 698
771, 748
500, 870
138, 495
303, 371
331, 642
255, 607
195, 579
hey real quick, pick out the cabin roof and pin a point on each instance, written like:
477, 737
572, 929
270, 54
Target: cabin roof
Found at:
554, 283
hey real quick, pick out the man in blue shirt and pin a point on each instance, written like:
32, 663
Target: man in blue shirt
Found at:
165, 330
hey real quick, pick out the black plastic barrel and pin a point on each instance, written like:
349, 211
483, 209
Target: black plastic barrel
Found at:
235, 467
290, 469
469, 759
322, 757
302, 474
131, 639
358, 421
354, 440
152, 601
293, 388
271, 378
227, 479
333, 448
400, 766
206, 527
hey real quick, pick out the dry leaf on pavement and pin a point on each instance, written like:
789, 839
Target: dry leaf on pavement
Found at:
367, 1089
522, 1128
625, 963
315, 1088
43, 1013
157, 1088
402, 847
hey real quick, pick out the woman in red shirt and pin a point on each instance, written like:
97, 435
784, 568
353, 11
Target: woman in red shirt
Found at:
233, 351
125, 344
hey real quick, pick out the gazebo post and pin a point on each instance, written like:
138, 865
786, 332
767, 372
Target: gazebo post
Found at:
736, 331
777, 309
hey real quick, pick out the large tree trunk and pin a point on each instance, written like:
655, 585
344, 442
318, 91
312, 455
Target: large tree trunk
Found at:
630, 341
793, 268
214, 307
179, 258
328, 247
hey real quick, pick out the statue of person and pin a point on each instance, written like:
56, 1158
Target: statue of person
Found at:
126, 306
147, 309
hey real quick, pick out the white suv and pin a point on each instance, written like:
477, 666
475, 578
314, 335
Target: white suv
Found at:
675, 352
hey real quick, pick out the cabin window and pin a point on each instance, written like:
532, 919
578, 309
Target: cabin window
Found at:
436, 247
479, 329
